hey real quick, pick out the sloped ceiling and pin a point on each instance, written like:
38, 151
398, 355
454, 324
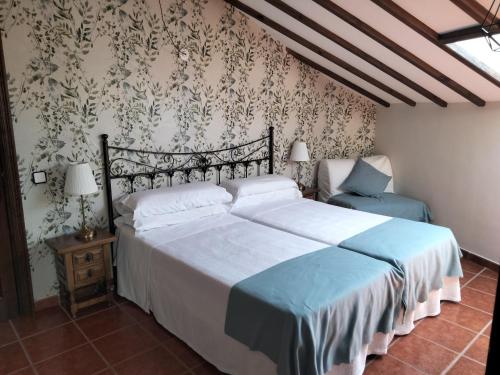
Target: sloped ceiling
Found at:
440, 15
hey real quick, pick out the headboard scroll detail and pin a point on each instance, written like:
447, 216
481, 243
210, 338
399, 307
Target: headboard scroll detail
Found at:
130, 164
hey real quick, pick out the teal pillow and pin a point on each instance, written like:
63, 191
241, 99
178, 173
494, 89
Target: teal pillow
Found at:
365, 180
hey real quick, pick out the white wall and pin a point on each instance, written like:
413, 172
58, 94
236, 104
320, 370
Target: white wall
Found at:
450, 158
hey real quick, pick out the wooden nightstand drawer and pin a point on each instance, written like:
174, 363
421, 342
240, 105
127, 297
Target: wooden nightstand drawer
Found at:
84, 270
88, 257
89, 275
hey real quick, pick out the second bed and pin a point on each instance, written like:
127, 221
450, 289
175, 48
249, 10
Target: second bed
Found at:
427, 256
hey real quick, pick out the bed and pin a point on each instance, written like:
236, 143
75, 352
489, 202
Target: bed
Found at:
207, 279
201, 277
332, 173
184, 276
427, 255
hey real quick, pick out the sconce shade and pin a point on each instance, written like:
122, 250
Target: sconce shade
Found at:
299, 152
80, 180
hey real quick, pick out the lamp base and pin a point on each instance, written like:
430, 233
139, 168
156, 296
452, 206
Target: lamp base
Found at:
86, 234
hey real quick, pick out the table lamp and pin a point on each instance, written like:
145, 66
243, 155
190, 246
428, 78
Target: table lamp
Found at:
80, 181
299, 154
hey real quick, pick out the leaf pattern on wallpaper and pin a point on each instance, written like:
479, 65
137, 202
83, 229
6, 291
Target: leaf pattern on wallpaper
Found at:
276, 98
77, 69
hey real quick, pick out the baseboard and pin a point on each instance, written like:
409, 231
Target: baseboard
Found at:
45, 303
480, 260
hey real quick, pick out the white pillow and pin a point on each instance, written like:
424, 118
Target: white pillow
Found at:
168, 200
272, 196
157, 221
243, 187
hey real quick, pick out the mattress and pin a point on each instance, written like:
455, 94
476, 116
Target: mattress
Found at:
184, 275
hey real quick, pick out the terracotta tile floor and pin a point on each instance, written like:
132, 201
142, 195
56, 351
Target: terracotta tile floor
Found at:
121, 339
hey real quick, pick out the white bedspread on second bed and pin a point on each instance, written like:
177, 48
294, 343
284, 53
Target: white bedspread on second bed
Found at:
311, 219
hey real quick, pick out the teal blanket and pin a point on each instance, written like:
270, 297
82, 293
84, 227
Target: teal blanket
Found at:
388, 204
311, 312
422, 253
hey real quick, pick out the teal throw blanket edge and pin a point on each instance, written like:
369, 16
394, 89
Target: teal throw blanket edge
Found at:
407, 245
315, 310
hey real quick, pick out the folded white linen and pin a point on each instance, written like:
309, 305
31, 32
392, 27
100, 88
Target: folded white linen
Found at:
242, 187
167, 200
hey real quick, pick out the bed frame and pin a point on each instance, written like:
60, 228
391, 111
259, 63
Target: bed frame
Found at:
131, 164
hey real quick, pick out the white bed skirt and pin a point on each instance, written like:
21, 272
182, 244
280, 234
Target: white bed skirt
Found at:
232, 357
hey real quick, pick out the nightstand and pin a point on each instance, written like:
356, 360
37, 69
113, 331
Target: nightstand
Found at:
84, 270
310, 193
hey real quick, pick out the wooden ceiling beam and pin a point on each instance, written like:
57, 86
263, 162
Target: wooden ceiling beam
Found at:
400, 51
355, 50
472, 32
418, 26
475, 10
318, 50
336, 77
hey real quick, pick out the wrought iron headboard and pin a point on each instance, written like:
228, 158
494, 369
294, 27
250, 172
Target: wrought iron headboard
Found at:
181, 162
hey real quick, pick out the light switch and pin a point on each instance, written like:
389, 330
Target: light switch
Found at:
39, 177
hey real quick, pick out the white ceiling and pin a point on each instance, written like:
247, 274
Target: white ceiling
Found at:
440, 15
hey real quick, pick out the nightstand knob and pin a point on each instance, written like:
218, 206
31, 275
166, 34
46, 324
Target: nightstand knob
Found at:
89, 257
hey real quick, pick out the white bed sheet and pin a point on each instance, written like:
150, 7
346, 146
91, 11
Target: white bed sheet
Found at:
184, 275
310, 219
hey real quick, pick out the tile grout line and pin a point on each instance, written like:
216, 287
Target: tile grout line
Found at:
92, 313
487, 269
468, 329
19, 370
407, 364
62, 324
23, 348
60, 353
90, 343
475, 308
73, 322
147, 350
190, 369
396, 338
489, 277
472, 278
7, 344
438, 344
111, 332
459, 325
457, 354
480, 291
161, 342
157, 341
474, 360
467, 347
44, 330
163, 345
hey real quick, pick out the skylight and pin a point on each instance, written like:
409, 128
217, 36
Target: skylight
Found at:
479, 53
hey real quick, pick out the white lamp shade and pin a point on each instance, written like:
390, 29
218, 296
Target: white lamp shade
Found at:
80, 180
299, 152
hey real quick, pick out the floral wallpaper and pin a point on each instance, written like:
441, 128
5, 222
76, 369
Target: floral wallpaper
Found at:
202, 76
